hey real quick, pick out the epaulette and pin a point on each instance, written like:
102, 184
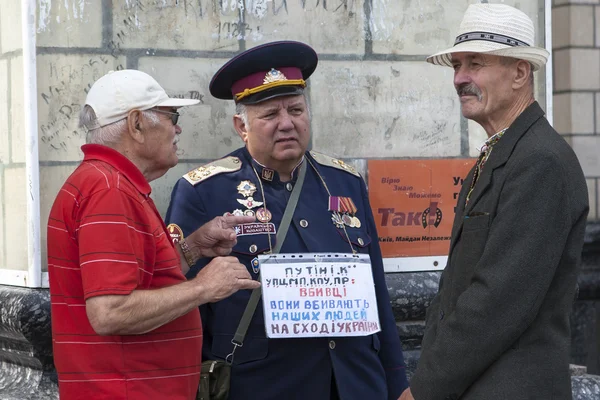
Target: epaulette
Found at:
220, 166
333, 162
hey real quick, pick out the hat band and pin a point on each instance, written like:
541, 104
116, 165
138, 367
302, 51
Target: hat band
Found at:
490, 37
248, 92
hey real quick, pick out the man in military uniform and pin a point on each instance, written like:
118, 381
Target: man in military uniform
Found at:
333, 215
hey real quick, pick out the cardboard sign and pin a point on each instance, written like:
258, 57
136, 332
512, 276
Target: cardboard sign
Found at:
413, 204
312, 295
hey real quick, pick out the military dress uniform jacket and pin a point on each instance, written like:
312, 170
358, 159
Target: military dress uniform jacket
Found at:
499, 325
369, 367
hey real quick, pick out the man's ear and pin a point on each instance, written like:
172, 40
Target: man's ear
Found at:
240, 127
134, 125
523, 70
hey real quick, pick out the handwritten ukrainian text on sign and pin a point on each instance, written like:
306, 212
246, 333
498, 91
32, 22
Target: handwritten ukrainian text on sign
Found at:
413, 204
310, 295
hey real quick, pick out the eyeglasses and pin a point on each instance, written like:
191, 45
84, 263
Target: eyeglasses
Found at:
174, 115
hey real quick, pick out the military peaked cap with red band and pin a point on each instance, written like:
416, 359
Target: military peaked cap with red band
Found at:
264, 72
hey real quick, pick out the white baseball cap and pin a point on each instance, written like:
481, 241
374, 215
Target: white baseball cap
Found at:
114, 95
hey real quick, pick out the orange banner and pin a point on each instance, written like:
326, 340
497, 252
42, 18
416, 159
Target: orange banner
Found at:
413, 204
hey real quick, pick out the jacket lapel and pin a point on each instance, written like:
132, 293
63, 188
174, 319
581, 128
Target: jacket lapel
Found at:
460, 210
498, 157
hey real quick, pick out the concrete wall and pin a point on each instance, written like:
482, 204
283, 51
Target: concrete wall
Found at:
372, 94
13, 201
576, 51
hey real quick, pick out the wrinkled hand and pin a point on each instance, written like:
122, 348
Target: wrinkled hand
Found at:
222, 277
406, 395
217, 237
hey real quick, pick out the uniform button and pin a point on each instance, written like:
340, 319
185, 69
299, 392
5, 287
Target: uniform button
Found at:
253, 248
289, 187
361, 241
332, 344
303, 223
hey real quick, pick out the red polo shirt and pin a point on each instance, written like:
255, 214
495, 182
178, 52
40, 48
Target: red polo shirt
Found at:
105, 237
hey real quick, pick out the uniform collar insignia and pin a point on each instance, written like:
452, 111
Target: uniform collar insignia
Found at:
267, 174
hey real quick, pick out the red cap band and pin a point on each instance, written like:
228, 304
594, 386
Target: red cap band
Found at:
259, 78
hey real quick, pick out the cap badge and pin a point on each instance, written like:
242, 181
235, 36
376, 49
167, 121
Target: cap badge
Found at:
274, 76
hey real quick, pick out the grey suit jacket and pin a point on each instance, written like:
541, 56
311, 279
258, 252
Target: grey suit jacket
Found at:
499, 325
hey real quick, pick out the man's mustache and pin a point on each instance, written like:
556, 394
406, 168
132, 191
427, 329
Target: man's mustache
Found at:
467, 89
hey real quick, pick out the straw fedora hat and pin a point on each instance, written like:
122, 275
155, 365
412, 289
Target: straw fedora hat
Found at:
495, 29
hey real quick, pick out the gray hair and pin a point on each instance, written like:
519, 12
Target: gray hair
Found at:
242, 111
107, 134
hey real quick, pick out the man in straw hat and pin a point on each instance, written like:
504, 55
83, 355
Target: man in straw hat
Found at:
499, 326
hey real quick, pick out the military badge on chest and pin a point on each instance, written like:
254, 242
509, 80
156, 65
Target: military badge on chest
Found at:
247, 190
343, 212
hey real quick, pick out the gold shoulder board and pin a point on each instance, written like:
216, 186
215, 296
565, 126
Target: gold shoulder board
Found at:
328, 161
220, 166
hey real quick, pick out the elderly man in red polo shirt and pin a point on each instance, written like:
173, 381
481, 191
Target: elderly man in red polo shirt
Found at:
125, 321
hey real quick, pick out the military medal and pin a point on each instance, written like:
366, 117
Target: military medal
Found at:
246, 188
344, 210
337, 220
238, 213
347, 220
249, 213
263, 215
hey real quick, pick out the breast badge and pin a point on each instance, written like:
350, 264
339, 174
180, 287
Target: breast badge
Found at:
246, 188
263, 215
236, 212
255, 265
249, 202
175, 233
